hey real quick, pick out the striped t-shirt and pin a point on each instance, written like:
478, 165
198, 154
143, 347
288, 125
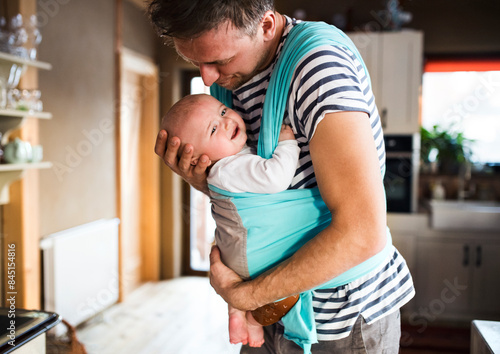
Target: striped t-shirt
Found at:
330, 79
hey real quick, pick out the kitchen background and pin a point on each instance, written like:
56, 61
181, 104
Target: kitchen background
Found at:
88, 141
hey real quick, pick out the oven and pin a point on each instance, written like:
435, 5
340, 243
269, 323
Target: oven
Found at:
401, 175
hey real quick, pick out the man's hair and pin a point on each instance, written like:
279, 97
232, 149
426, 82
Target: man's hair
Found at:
188, 19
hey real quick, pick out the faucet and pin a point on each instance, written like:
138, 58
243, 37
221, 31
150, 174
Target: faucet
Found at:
464, 177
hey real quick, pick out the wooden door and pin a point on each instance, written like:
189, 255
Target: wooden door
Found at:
138, 172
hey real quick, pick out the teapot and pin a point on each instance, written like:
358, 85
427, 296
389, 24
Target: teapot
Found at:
17, 151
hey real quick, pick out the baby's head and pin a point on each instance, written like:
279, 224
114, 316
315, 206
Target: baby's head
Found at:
209, 126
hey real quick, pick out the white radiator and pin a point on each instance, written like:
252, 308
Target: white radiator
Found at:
80, 269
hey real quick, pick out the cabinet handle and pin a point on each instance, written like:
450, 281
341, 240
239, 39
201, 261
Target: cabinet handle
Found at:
383, 117
479, 259
465, 261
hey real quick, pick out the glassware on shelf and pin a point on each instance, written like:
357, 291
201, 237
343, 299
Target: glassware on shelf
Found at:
16, 71
25, 100
34, 37
1, 148
36, 103
18, 37
13, 96
4, 35
3, 93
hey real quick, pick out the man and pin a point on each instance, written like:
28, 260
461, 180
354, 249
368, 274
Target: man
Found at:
331, 108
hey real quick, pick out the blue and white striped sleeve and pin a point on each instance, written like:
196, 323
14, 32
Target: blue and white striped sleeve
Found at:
329, 79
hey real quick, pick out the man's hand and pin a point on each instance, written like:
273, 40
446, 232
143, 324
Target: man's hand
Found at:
229, 285
167, 149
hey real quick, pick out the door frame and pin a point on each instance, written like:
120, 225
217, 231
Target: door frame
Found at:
129, 60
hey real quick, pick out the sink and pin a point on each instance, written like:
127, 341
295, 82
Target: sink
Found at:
465, 215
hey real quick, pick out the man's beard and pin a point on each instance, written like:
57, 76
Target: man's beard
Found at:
236, 82
239, 80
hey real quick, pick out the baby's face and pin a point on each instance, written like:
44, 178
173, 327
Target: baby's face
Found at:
214, 129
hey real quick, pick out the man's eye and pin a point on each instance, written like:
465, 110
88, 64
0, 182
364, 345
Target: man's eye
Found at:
223, 112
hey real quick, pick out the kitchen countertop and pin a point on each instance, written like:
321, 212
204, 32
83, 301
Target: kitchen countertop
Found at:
485, 336
407, 221
420, 224
18, 326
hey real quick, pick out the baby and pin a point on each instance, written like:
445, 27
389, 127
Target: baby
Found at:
220, 133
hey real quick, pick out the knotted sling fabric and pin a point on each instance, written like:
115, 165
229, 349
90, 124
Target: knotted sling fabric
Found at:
259, 231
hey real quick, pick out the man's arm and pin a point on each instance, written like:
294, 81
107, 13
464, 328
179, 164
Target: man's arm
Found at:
348, 176
167, 149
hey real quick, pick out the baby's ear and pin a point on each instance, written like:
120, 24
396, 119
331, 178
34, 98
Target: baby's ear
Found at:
194, 161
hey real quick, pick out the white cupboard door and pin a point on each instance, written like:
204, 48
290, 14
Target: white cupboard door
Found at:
487, 279
394, 61
368, 46
406, 245
401, 66
443, 283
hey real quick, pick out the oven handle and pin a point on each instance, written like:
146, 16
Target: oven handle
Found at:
402, 155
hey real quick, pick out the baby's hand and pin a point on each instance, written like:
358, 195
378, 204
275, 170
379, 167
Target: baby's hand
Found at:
286, 133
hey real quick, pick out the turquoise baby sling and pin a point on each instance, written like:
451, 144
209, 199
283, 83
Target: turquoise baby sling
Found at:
279, 224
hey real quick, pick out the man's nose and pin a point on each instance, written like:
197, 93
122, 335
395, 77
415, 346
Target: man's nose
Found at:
209, 74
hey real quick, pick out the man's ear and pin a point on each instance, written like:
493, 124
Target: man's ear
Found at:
269, 25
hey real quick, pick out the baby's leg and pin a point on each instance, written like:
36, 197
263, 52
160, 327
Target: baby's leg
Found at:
238, 331
244, 329
255, 331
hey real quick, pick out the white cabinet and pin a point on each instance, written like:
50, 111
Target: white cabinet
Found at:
394, 60
486, 289
405, 230
405, 242
458, 278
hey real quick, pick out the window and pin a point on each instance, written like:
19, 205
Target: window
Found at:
201, 224
465, 96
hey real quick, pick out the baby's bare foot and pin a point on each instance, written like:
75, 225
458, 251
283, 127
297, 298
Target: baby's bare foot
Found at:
238, 331
255, 331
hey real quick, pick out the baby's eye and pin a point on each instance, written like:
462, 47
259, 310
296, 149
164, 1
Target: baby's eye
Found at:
223, 112
213, 130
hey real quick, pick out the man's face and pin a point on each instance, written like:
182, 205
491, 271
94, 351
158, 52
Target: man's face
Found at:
225, 56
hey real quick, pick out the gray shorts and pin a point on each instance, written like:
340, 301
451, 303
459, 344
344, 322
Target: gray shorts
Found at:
381, 337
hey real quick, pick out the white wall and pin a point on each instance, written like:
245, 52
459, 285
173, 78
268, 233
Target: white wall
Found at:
78, 40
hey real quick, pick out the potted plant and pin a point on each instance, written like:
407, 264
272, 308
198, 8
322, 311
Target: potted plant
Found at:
447, 147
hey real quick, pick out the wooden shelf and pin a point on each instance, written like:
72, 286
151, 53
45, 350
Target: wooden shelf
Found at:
24, 166
11, 172
11, 119
21, 216
21, 114
6, 57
